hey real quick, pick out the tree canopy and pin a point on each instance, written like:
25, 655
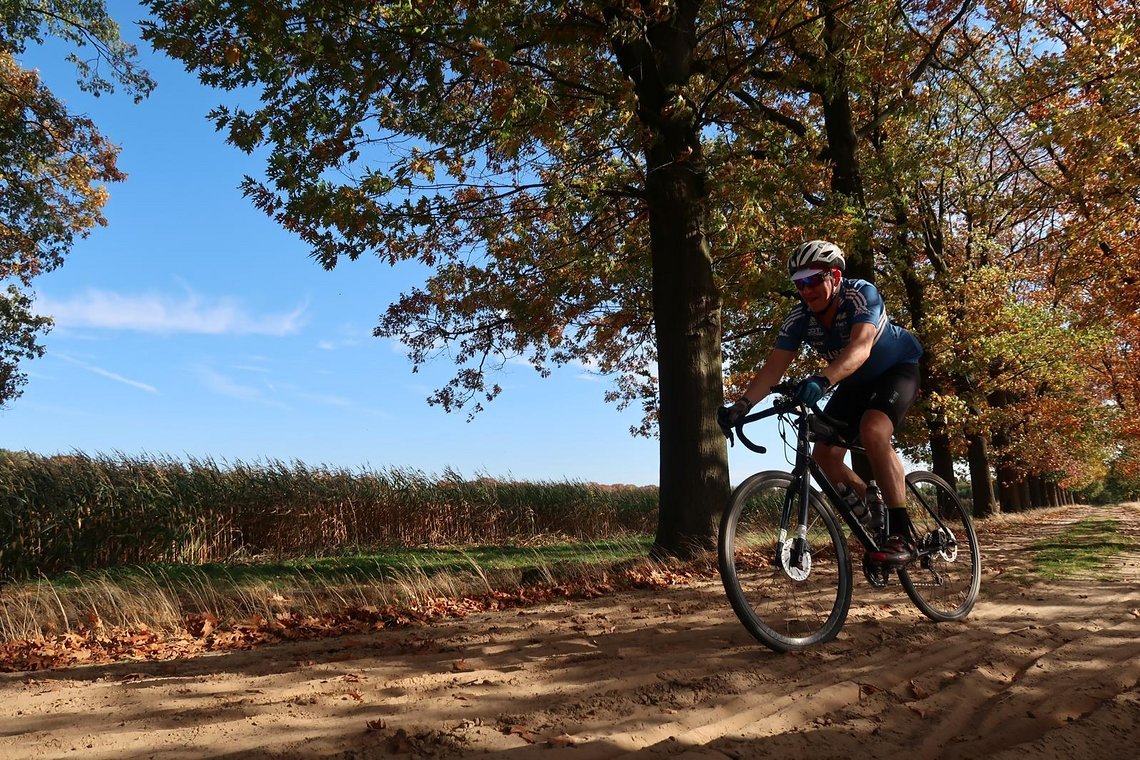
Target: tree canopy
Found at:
617, 182
53, 162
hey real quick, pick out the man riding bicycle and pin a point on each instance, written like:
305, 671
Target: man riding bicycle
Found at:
872, 364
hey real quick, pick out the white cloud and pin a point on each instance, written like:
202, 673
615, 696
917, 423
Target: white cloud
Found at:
326, 399
107, 373
223, 386
164, 313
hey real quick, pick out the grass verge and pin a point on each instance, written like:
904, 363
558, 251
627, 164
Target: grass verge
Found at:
1084, 547
170, 611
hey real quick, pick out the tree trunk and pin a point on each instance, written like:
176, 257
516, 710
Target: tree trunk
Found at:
941, 456
694, 457
941, 451
1025, 493
842, 137
686, 304
981, 481
1008, 481
1036, 495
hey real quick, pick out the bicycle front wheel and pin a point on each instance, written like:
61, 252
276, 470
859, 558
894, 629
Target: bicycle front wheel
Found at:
783, 604
944, 579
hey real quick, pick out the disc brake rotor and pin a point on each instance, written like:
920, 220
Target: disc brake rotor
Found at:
942, 541
795, 573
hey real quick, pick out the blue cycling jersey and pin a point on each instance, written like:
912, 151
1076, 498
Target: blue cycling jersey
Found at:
859, 301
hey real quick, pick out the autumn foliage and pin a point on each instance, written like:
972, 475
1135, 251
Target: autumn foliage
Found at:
55, 161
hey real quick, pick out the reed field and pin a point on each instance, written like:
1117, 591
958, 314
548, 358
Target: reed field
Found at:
150, 543
78, 513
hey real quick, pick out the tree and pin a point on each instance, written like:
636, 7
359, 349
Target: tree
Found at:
53, 161
18, 329
841, 103
1004, 163
559, 167
1060, 89
544, 159
597, 181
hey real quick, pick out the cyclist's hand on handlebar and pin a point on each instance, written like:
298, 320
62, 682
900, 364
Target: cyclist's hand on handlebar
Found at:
811, 389
728, 416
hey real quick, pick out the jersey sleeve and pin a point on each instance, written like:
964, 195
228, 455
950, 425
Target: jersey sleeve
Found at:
791, 335
869, 306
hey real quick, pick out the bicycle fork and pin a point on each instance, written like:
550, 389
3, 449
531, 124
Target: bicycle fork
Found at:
796, 560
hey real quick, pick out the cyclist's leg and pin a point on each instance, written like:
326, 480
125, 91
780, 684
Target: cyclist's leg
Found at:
875, 431
831, 461
895, 391
846, 405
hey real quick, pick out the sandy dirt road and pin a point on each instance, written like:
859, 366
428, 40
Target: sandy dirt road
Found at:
1040, 670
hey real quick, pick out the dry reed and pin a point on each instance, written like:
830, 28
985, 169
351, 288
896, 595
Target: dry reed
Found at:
78, 512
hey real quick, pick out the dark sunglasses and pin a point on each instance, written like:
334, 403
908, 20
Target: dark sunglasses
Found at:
813, 280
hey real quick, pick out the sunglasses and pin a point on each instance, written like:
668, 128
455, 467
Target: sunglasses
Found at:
813, 280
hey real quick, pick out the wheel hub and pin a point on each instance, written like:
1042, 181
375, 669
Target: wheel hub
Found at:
795, 573
942, 543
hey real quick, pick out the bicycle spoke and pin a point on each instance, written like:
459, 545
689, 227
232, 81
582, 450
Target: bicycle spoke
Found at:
944, 579
785, 606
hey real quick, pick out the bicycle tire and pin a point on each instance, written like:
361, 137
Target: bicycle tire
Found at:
944, 581
783, 611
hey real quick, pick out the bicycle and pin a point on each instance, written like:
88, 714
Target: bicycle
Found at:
790, 582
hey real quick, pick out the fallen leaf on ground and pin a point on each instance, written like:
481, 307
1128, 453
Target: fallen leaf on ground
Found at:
524, 733
562, 740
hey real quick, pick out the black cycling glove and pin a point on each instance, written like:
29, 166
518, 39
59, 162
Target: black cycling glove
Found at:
728, 416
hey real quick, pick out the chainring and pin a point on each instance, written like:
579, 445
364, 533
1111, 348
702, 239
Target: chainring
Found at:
877, 575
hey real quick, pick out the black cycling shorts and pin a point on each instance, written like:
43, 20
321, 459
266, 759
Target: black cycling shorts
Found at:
891, 393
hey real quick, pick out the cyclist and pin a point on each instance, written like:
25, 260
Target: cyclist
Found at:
871, 362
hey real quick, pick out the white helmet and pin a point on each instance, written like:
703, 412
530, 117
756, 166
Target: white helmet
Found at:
816, 253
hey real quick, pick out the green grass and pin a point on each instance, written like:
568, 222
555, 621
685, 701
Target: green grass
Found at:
163, 596
1083, 548
386, 564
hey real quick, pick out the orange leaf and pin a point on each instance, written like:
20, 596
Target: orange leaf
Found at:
524, 733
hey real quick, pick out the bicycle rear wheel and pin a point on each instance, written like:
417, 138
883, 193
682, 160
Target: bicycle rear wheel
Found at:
785, 607
944, 580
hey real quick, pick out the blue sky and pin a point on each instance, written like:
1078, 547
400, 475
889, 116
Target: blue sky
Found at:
192, 325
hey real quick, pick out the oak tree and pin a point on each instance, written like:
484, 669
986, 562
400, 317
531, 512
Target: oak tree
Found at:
546, 161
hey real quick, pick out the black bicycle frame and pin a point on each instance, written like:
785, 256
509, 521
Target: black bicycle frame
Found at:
807, 468
803, 471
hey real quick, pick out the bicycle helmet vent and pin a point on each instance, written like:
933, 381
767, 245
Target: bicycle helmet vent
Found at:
816, 253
